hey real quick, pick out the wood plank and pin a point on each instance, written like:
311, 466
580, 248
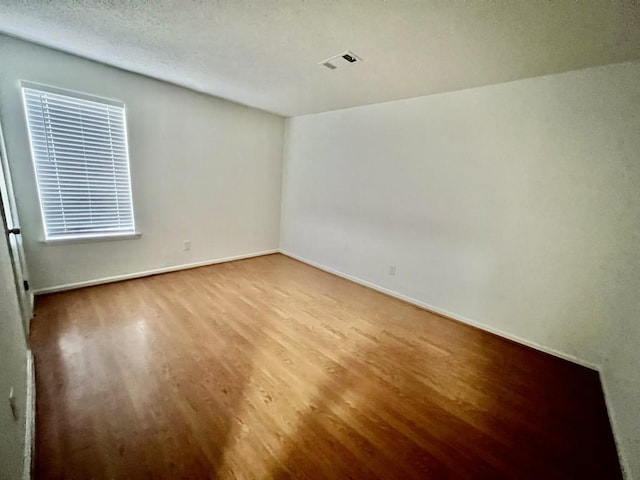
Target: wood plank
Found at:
270, 368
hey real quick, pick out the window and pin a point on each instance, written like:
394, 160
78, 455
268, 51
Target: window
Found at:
79, 149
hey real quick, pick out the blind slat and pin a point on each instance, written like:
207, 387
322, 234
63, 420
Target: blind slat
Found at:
51, 102
56, 120
99, 150
40, 127
86, 176
69, 135
95, 160
64, 98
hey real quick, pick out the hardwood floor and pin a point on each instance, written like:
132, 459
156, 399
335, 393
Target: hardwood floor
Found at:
269, 368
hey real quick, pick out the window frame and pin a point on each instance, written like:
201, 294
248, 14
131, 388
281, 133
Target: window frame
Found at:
82, 237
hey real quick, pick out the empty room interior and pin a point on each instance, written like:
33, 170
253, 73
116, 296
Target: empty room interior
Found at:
320, 239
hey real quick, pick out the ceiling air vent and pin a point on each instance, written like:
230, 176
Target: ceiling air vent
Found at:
341, 60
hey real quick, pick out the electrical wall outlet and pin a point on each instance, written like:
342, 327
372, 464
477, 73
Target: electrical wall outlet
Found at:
392, 269
187, 245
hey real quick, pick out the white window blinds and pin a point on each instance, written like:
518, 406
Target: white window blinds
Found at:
79, 148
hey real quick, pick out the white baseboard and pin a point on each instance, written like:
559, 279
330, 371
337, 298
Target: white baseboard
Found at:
622, 457
146, 273
445, 313
30, 419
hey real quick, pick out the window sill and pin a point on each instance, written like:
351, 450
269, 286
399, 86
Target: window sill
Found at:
101, 238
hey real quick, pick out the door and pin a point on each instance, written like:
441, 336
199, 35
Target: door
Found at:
13, 237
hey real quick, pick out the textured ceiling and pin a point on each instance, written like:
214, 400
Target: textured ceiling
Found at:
264, 53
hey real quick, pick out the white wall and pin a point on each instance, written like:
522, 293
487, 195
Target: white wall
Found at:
621, 363
621, 382
203, 169
13, 372
514, 205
